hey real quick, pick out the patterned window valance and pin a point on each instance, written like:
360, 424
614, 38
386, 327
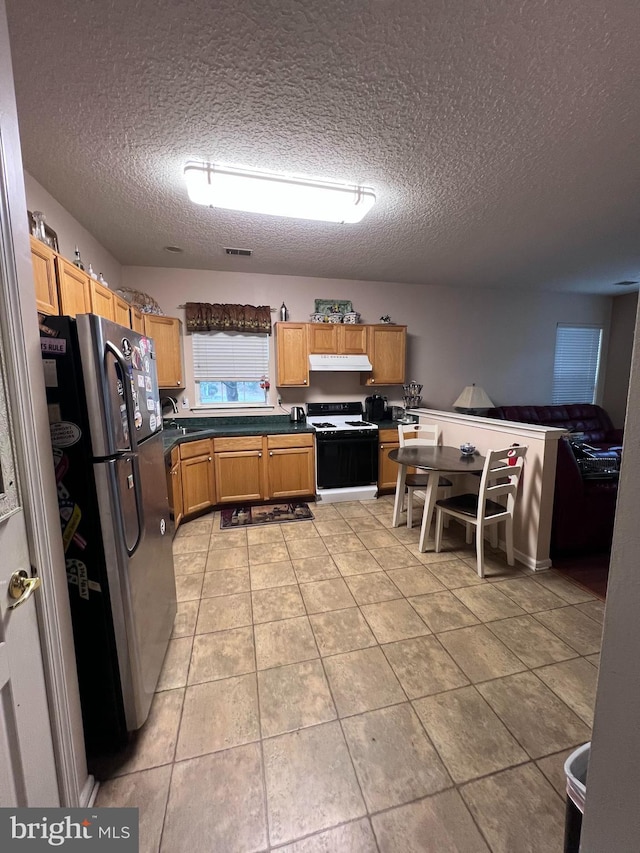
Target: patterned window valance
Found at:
214, 317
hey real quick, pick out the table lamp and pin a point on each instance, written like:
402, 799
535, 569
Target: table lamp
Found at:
472, 400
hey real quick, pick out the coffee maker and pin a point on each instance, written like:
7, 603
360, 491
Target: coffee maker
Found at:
376, 408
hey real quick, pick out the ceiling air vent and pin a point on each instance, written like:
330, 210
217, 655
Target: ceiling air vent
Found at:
246, 253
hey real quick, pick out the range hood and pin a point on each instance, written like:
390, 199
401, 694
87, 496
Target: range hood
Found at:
339, 362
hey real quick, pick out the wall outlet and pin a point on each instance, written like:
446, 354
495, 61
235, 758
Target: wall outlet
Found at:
279, 400
185, 403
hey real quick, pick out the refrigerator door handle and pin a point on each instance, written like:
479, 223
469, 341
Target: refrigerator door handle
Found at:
128, 396
135, 464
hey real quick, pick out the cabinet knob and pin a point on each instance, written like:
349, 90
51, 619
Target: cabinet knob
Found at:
304, 381
209, 459
271, 453
178, 382
259, 455
382, 447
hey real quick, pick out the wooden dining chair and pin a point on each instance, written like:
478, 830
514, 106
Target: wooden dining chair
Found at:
426, 435
500, 477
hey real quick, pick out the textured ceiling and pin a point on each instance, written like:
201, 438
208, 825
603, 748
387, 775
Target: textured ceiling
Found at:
502, 137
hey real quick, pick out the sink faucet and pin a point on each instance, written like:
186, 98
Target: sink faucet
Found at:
172, 401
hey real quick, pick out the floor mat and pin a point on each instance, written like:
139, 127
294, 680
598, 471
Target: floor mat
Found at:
241, 516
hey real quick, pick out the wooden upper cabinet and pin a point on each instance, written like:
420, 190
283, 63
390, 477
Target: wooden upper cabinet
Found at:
292, 354
387, 352
73, 289
137, 320
121, 311
44, 277
165, 332
337, 338
101, 299
352, 339
323, 338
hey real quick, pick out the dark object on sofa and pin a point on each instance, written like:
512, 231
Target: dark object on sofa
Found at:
583, 507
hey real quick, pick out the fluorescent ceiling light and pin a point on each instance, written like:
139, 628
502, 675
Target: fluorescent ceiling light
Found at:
233, 188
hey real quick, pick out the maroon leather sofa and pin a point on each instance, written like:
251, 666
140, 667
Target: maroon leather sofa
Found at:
583, 509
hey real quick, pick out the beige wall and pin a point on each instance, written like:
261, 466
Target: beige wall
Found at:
71, 233
616, 381
499, 339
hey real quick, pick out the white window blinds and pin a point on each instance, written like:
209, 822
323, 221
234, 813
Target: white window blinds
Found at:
230, 356
577, 361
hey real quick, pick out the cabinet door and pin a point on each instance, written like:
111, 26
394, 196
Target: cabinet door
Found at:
323, 338
197, 484
174, 488
292, 354
353, 339
165, 332
137, 320
290, 466
387, 469
387, 352
121, 311
101, 299
44, 277
239, 476
73, 289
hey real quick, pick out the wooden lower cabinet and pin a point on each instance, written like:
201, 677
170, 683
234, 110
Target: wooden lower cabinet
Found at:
174, 486
388, 469
290, 466
239, 469
196, 477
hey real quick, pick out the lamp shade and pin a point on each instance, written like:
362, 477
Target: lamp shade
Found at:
248, 190
473, 397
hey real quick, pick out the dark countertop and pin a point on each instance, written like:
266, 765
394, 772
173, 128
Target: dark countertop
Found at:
243, 425
225, 427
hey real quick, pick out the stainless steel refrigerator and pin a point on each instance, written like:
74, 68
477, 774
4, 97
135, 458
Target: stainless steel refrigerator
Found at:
106, 436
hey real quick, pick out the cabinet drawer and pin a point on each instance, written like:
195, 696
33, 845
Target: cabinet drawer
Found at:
297, 440
241, 442
195, 448
388, 435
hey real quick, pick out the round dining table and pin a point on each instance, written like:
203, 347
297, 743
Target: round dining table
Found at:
435, 460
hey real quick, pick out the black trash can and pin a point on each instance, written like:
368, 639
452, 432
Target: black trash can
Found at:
575, 768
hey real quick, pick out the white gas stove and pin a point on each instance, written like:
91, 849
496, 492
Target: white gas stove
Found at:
338, 417
346, 452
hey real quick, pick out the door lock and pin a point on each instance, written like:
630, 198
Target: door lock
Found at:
21, 586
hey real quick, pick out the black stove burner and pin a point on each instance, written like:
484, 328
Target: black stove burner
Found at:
358, 423
325, 426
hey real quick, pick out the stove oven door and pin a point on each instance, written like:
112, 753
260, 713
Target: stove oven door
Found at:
345, 460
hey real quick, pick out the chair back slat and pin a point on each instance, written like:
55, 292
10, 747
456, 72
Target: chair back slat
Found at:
425, 435
500, 477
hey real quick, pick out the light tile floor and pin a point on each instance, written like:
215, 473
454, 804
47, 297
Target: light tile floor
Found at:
330, 688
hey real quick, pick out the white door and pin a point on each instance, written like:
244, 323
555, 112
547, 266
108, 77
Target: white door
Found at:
27, 764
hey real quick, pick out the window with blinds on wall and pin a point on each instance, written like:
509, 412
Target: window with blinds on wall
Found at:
577, 364
230, 368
